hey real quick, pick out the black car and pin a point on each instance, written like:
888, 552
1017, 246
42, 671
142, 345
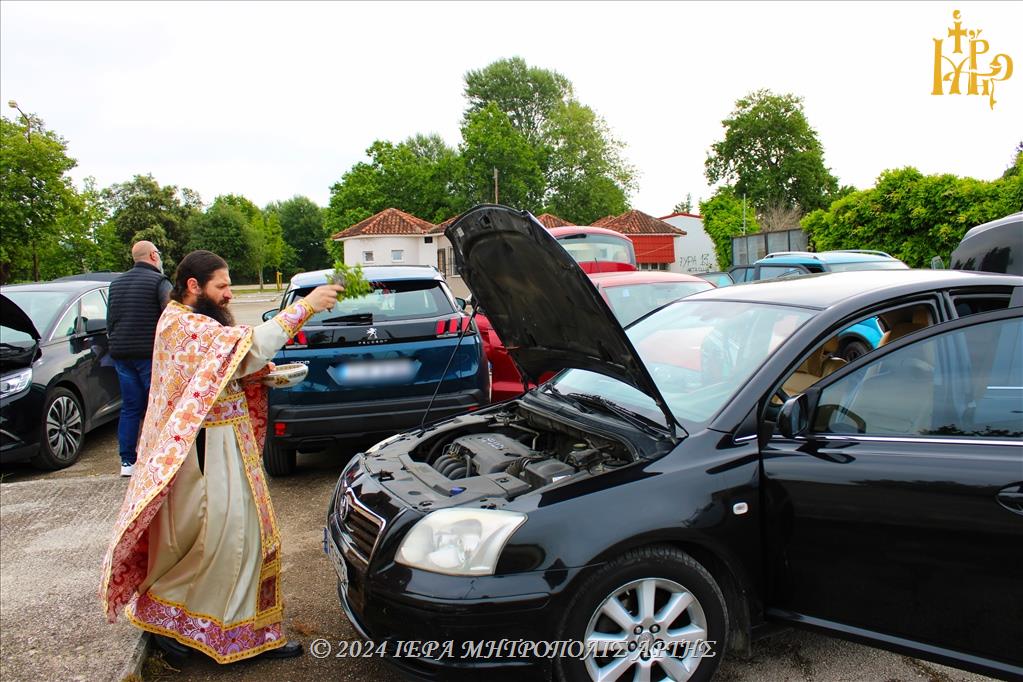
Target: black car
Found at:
996, 246
58, 380
711, 472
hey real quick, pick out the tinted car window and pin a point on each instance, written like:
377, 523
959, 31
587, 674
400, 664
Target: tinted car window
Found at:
66, 326
41, 306
93, 306
968, 382
399, 300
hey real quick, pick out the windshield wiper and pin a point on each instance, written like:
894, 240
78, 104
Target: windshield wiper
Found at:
642, 423
549, 388
356, 318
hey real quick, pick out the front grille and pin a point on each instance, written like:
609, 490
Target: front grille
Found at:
361, 526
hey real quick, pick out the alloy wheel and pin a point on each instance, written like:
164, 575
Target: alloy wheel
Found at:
64, 428
650, 629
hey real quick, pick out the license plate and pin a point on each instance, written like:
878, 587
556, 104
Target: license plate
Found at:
340, 567
373, 372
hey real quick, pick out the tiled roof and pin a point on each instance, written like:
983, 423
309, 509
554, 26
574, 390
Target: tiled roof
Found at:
443, 226
637, 222
388, 221
550, 220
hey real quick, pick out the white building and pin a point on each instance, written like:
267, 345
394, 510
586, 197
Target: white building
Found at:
694, 253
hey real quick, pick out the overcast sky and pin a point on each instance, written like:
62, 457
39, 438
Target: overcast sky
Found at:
270, 100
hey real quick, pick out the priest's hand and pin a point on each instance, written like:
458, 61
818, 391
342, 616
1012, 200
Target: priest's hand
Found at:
324, 297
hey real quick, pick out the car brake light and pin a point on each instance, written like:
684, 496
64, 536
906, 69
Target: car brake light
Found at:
280, 428
299, 339
441, 324
452, 326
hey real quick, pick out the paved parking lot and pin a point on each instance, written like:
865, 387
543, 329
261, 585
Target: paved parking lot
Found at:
48, 618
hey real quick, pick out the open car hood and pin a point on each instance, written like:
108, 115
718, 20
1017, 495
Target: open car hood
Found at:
12, 356
540, 302
15, 318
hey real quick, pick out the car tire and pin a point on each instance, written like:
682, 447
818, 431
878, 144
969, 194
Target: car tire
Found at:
62, 431
278, 461
853, 349
665, 576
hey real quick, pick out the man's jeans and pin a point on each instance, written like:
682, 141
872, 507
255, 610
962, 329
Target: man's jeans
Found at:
134, 378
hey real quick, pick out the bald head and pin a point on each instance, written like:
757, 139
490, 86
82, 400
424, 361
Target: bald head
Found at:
142, 250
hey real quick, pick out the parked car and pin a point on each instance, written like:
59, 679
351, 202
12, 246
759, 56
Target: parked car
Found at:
630, 294
718, 279
597, 249
58, 380
376, 363
996, 246
856, 340
683, 485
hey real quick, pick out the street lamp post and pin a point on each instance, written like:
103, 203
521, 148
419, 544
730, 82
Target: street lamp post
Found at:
28, 119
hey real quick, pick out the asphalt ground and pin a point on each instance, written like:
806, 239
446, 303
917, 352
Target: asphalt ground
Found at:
55, 526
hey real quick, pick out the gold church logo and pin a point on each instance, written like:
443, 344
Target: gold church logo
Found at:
964, 63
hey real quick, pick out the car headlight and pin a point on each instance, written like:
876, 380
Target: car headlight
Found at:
15, 382
459, 541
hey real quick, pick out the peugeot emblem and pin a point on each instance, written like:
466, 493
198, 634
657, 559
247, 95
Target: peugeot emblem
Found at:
342, 507
371, 333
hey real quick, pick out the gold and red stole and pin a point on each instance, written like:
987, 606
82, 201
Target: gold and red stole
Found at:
194, 360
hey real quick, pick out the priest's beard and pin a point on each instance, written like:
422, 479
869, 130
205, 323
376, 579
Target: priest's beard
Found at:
204, 305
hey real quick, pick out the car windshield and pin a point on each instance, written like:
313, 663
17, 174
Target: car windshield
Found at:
40, 306
869, 265
629, 302
398, 300
597, 247
699, 354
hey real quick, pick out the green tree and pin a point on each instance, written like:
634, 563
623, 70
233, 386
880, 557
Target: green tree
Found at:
771, 155
529, 96
583, 174
489, 141
416, 176
723, 218
74, 246
222, 229
913, 216
142, 204
684, 206
35, 190
303, 231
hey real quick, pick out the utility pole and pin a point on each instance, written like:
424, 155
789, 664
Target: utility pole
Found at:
495, 186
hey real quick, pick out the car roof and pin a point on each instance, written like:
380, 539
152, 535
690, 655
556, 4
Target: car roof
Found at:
616, 279
372, 273
825, 290
800, 257
70, 286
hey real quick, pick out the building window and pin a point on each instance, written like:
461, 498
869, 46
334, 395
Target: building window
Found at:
367, 256
445, 262
397, 255
428, 240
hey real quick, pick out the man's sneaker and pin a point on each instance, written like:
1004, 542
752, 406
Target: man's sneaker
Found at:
127, 469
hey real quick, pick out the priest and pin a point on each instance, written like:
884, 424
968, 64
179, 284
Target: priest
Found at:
196, 552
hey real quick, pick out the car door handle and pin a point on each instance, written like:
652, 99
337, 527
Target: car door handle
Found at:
1011, 497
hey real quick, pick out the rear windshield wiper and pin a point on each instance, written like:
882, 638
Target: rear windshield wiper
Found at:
642, 423
356, 318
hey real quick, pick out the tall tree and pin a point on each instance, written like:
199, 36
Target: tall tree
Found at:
142, 204
527, 95
223, 230
771, 155
490, 141
416, 176
583, 173
35, 190
303, 231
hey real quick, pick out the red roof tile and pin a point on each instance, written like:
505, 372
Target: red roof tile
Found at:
443, 226
550, 220
388, 221
637, 222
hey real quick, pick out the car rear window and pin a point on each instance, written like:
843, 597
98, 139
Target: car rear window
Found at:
632, 301
400, 300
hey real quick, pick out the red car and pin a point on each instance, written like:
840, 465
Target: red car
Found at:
630, 295
597, 249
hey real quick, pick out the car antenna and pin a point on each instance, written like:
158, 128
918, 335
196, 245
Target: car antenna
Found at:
472, 317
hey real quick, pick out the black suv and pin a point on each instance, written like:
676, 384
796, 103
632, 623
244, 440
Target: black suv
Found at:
712, 470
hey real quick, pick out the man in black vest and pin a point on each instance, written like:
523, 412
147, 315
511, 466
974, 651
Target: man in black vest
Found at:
136, 300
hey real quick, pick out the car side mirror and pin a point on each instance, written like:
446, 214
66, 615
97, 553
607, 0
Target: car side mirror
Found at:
95, 325
269, 315
462, 303
794, 417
